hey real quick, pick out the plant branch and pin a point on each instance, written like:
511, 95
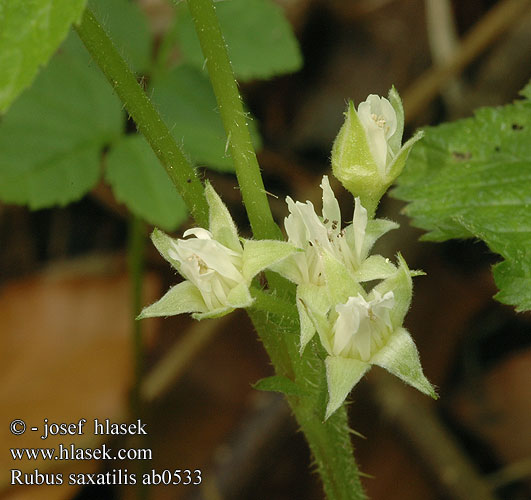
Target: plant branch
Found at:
146, 117
234, 119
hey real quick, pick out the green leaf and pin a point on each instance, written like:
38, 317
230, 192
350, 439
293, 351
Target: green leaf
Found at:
186, 101
472, 178
30, 32
139, 180
259, 39
279, 383
128, 29
52, 137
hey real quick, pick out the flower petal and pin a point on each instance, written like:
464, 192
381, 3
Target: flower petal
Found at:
359, 226
342, 374
221, 224
331, 211
259, 254
401, 358
182, 298
379, 122
396, 139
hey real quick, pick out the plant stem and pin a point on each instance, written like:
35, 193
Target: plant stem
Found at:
330, 441
146, 117
276, 324
234, 119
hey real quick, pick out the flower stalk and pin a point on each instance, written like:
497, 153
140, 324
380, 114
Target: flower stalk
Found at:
234, 119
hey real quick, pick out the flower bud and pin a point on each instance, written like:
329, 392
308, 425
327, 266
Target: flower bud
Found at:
367, 155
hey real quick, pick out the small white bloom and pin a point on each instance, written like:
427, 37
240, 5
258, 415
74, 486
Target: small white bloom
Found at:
379, 120
217, 266
364, 330
314, 234
212, 267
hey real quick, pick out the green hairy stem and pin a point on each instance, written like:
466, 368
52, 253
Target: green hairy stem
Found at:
234, 119
146, 117
329, 441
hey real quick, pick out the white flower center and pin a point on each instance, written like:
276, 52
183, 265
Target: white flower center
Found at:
362, 327
314, 235
213, 268
379, 120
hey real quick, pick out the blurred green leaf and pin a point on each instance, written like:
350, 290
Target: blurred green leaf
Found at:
186, 101
128, 28
139, 180
472, 178
52, 137
259, 38
30, 32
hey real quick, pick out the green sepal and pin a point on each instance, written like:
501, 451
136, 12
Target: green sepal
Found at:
164, 243
182, 298
221, 224
317, 312
315, 298
342, 374
339, 282
352, 161
375, 267
240, 296
260, 254
397, 165
288, 269
215, 313
376, 228
401, 285
400, 357
279, 383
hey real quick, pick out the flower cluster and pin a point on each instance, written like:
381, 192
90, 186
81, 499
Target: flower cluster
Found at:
357, 325
357, 328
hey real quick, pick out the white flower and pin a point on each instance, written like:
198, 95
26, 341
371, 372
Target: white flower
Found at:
212, 267
378, 118
363, 330
217, 266
314, 234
